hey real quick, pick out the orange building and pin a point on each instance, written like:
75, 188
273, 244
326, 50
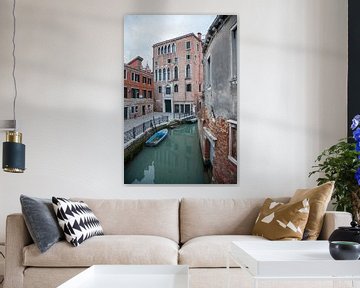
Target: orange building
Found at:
138, 89
178, 74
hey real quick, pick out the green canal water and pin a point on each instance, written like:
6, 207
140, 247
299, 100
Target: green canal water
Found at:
176, 160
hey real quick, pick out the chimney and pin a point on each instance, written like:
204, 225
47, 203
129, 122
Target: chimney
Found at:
199, 35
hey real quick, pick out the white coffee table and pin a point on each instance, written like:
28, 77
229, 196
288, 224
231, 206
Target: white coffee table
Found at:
131, 276
285, 260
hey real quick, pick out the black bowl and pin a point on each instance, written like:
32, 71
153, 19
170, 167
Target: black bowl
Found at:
344, 250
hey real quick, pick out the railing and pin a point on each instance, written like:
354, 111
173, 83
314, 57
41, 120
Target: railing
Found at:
138, 130
182, 115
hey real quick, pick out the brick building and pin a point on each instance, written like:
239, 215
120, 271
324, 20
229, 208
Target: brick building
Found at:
178, 74
218, 113
138, 89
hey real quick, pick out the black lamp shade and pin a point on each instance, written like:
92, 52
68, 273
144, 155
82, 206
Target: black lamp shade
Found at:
13, 157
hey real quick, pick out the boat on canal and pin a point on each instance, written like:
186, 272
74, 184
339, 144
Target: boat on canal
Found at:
191, 120
155, 139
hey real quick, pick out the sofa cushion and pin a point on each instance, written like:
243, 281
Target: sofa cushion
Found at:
319, 198
77, 220
211, 251
107, 249
201, 217
158, 217
279, 221
41, 221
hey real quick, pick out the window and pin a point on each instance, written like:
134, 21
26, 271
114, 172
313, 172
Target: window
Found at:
188, 87
199, 87
132, 76
137, 78
208, 72
159, 51
197, 47
176, 60
144, 80
164, 74
159, 74
187, 72
125, 74
134, 93
169, 49
160, 89
188, 57
168, 74
144, 94
165, 50
173, 48
162, 50
149, 107
169, 61
132, 109
187, 45
176, 88
177, 108
149, 81
150, 94
232, 156
233, 53
156, 76
136, 109
168, 90
125, 92
176, 73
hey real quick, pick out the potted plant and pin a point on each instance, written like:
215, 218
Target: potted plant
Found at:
341, 163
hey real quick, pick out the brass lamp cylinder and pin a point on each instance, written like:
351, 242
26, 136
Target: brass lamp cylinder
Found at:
13, 153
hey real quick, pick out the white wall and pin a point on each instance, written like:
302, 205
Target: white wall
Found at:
293, 63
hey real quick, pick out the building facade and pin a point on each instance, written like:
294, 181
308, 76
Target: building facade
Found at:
178, 74
218, 114
138, 89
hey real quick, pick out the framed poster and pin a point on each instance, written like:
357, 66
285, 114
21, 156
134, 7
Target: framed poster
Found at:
180, 99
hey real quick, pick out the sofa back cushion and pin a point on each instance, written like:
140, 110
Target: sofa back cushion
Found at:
201, 217
158, 217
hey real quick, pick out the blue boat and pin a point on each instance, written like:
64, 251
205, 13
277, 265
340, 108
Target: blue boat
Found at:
155, 139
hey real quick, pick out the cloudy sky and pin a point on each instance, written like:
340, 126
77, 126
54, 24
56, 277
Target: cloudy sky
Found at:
142, 31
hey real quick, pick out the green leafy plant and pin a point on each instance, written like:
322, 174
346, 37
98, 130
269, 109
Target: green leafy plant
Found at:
341, 163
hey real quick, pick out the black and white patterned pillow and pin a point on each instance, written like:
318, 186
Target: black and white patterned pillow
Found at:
77, 220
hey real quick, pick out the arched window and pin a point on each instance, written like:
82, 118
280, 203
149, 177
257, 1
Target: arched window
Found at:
159, 51
164, 74
176, 88
173, 48
162, 50
168, 74
187, 72
159, 74
169, 49
165, 49
176, 73
168, 90
156, 75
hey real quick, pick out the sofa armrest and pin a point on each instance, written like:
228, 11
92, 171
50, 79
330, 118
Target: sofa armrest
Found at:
17, 237
333, 220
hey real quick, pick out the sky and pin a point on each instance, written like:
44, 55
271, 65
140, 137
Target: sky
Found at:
142, 31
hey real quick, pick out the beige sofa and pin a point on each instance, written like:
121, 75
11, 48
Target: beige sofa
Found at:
194, 232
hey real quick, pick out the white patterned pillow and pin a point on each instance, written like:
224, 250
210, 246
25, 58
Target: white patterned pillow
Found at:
77, 220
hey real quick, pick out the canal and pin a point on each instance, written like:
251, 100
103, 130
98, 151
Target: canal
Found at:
176, 160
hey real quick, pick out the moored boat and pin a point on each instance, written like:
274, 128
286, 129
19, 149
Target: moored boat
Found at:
191, 120
155, 139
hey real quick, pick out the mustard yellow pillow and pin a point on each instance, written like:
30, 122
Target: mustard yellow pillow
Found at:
319, 198
279, 221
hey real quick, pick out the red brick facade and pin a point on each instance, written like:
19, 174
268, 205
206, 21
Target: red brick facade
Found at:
138, 89
224, 171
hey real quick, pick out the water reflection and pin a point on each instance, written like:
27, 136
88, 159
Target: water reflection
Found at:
177, 160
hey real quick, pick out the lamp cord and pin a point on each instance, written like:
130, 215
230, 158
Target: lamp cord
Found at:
14, 61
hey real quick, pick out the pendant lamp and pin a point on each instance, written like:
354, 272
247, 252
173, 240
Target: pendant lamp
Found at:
13, 160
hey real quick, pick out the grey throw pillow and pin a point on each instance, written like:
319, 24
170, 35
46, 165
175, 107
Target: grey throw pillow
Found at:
41, 221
